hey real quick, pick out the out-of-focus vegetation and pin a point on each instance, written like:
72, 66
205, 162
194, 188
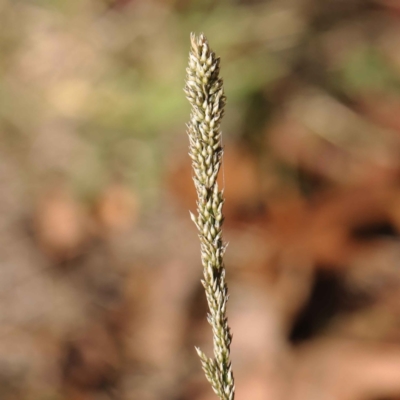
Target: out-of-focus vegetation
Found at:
93, 88
99, 263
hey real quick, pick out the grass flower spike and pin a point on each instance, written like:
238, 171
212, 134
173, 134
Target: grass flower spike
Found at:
204, 90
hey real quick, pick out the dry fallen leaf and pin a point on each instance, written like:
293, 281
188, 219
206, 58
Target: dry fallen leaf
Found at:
341, 369
116, 209
60, 224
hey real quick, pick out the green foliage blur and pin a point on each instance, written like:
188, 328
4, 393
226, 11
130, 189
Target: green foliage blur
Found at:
91, 88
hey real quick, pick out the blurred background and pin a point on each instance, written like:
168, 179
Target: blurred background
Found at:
99, 262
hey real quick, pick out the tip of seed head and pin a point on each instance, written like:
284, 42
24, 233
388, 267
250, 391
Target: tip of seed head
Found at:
197, 41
